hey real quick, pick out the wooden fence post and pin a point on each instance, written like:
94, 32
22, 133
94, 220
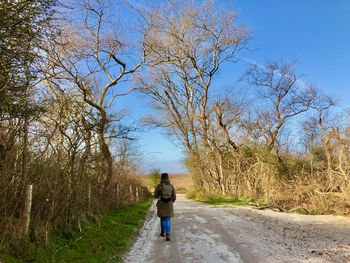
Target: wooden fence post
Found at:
137, 193
131, 195
117, 193
27, 209
89, 199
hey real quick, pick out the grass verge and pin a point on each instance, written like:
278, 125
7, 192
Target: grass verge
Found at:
103, 239
248, 202
227, 201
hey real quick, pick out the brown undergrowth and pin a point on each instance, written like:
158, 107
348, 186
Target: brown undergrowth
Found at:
321, 192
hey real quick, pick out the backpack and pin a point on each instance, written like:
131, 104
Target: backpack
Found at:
166, 192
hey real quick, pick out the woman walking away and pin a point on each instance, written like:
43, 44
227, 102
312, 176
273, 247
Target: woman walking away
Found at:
165, 193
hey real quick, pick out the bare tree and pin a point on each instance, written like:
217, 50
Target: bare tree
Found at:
196, 40
228, 113
328, 127
94, 56
283, 98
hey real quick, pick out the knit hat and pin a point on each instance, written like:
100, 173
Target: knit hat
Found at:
164, 176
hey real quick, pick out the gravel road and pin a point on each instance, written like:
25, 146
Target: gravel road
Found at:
203, 233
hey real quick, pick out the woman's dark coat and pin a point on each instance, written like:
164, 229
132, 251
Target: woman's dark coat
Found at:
164, 209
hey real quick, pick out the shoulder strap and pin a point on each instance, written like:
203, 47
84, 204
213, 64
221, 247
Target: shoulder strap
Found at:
160, 189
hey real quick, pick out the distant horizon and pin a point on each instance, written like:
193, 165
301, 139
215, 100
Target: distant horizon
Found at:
169, 166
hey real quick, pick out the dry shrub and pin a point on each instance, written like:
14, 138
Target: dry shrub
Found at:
258, 181
60, 202
319, 193
286, 184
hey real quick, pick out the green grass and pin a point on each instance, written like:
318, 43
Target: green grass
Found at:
104, 239
300, 211
230, 201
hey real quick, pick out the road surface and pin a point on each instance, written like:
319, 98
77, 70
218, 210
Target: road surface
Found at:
203, 233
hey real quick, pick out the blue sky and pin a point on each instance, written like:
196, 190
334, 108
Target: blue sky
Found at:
316, 34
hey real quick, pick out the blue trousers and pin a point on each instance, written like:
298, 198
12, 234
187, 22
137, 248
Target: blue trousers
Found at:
165, 224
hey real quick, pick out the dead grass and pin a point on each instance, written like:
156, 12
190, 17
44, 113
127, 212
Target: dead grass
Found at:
181, 182
318, 194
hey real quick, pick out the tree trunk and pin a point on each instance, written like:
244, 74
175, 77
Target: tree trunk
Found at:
27, 209
87, 151
221, 176
106, 154
25, 148
328, 154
